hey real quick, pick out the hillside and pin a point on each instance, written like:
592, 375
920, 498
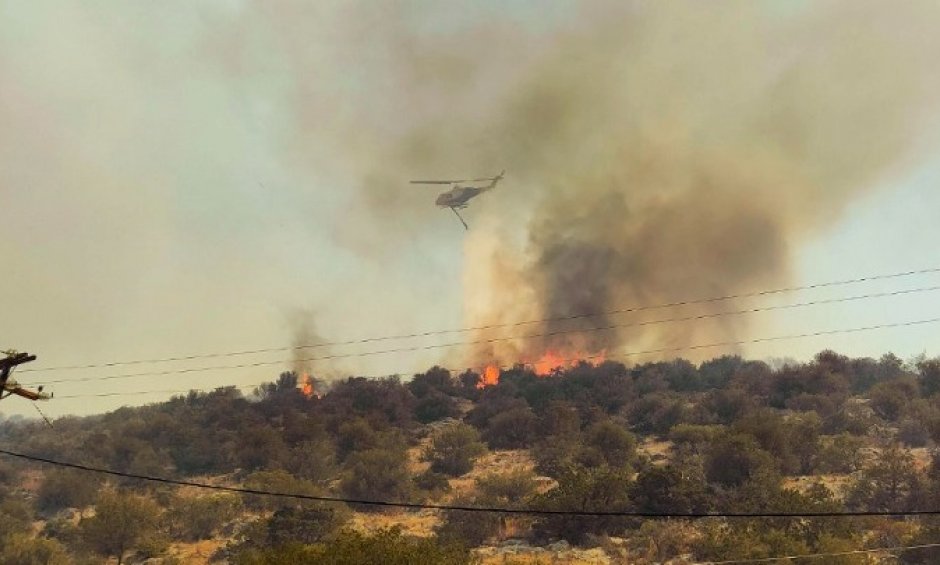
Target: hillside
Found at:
833, 435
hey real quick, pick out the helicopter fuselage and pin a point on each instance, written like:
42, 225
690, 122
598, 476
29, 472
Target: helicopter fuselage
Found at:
458, 197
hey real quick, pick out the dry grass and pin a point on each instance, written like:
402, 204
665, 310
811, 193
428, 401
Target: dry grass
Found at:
495, 463
838, 484
658, 451
30, 480
419, 524
537, 556
197, 553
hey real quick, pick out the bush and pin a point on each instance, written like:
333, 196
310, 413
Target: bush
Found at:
553, 457
889, 398
657, 413
694, 435
121, 523
377, 474
280, 482
437, 379
453, 449
306, 525
355, 435
193, 519
669, 489
891, 484
840, 454
22, 549
616, 446
515, 429
385, 547
733, 459
314, 461
597, 489
469, 528
913, 432
436, 406
66, 489
15, 517
432, 482
507, 488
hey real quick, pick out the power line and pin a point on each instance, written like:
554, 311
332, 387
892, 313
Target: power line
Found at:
143, 392
585, 358
641, 308
487, 509
817, 555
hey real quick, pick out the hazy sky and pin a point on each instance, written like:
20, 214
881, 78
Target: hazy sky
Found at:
180, 178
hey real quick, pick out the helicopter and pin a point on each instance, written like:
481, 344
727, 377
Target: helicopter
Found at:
9, 386
459, 196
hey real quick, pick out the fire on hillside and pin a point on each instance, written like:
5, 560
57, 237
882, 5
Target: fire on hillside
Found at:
545, 365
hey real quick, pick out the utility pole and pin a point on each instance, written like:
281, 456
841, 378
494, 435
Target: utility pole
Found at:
13, 358
7, 364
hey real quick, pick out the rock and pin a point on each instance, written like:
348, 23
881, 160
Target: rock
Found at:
559, 546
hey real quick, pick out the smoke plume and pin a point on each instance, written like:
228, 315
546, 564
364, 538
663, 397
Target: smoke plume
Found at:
656, 152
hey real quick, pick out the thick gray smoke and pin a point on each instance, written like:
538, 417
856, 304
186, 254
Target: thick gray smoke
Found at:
665, 151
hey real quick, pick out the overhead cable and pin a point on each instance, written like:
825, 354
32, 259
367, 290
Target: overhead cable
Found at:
898, 548
584, 358
456, 508
584, 315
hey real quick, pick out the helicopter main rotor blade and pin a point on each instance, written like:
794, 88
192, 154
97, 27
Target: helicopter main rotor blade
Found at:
453, 181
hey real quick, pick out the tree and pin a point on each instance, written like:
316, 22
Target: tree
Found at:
893, 483
437, 379
121, 521
66, 489
929, 376
717, 373
453, 449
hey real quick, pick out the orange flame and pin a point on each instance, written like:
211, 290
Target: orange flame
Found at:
489, 377
547, 364
306, 387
